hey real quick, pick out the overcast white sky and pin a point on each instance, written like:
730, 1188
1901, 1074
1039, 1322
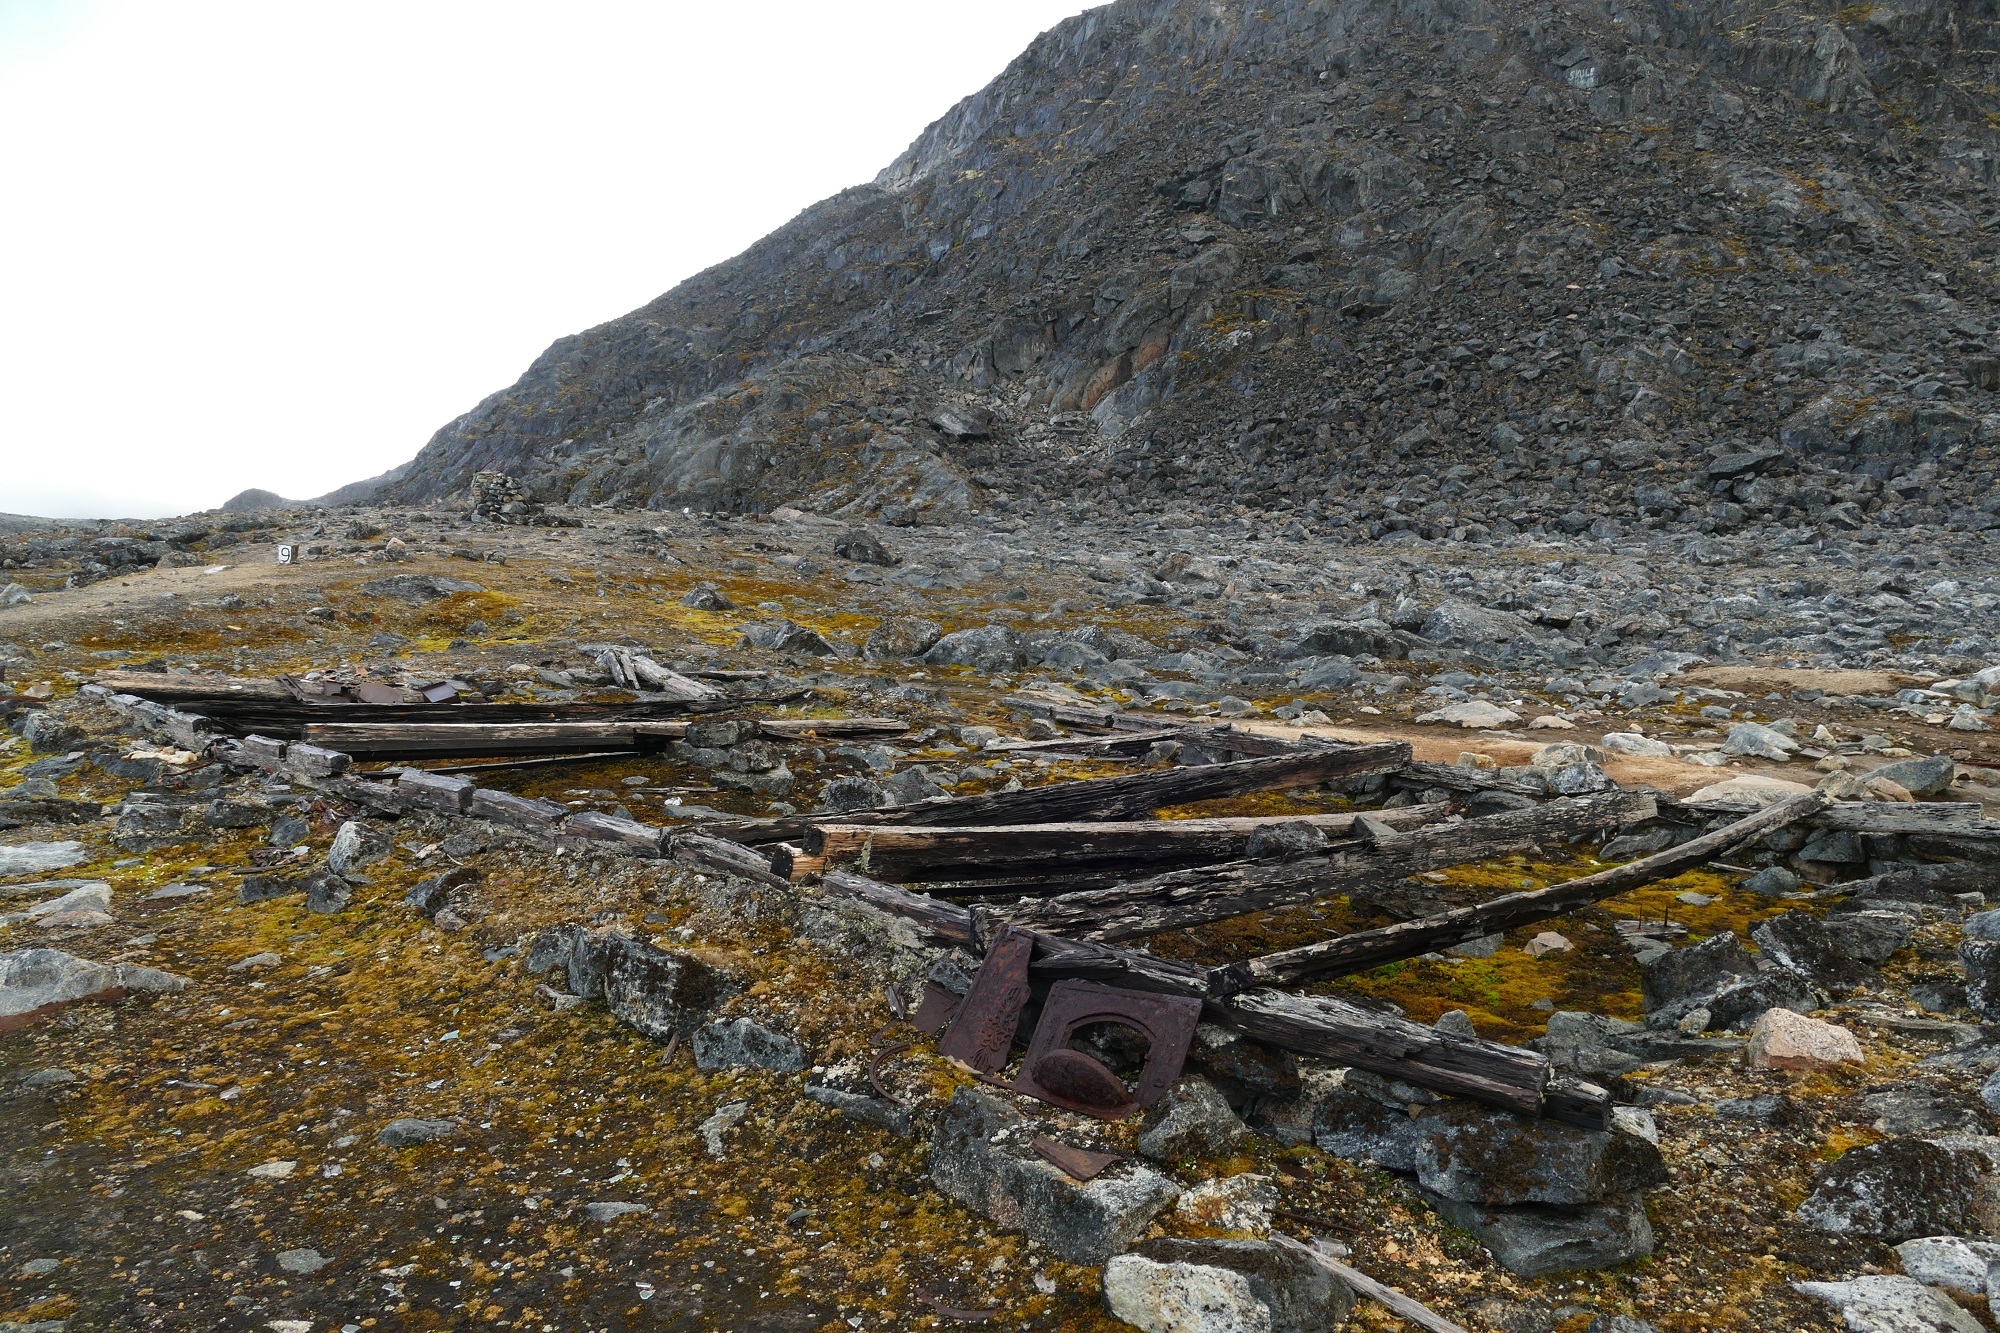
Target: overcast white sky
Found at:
247, 243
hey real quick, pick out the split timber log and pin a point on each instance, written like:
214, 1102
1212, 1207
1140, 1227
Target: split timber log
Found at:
1216, 893
902, 854
730, 858
456, 739
1506, 1076
1372, 948
288, 721
1455, 777
1958, 819
1100, 799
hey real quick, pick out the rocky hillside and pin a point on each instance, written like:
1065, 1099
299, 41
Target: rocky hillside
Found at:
1456, 268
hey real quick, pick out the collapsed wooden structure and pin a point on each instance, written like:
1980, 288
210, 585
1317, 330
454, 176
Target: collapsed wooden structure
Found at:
1045, 885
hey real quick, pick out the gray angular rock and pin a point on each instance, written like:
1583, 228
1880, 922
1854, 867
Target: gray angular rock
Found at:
1719, 975
610, 1210
1871, 937
1981, 961
1949, 1261
988, 648
418, 587
38, 982
900, 638
1192, 1120
862, 547
148, 826
1221, 1286
327, 892
1533, 1240
1478, 1154
744, 1042
655, 992
302, 1262
409, 1131
1897, 1190
1797, 941
1287, 841
39, 858
786, 636
1878, 1303
1757, 741
357, 845
1772, 882
1923, 776
706, 597
981, 1157
854, 793
846, 1089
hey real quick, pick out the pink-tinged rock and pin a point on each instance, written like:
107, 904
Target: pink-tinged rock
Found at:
1785, 1040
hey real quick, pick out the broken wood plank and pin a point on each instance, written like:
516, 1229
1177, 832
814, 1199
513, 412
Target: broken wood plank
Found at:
1101, 799
1216, 893
902, 853
1407, 939
1456, 777
418, 740
798, 728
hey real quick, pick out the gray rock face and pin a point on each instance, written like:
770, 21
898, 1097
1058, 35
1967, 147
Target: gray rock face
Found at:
1897, 1190
706, 597
1759, 742
1192, 1120
410, 1131
901, 638
982, 1159
1218, 1286
1477, 1154
862, 547
327, 892
1286, 841
988, 648
846, 1089
740, 1042
853, 793
1535, 1240
356, 846
148, 826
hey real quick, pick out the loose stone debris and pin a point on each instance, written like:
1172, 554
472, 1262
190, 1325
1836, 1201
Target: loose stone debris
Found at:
628, 953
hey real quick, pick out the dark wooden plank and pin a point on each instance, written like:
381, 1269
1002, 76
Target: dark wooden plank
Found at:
169, 689
1101, 799
1407, 939
694, 847
1216, 893
902, 853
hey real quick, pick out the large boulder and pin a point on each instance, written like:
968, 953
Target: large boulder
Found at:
982, 1157
1798, 942
1923, 776
787, 636
988, 648
1898, 1190
1222, 1286
650, 990
1464, 625
1477, 1154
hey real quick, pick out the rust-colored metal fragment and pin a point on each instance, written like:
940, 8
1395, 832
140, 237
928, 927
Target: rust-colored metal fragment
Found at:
982, 1033
1078, 1082
1078, 1163
961, 1314
936, 1009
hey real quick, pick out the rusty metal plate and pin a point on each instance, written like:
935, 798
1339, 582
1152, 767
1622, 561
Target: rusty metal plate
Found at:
1077, 1163
936, 1009
1080, 1082
982, 1033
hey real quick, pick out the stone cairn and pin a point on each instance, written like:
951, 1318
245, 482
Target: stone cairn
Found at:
498, 498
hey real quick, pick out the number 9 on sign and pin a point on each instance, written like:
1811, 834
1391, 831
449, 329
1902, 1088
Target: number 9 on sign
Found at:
284, 555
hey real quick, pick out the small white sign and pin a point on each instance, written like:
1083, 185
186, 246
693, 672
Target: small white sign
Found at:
284, 555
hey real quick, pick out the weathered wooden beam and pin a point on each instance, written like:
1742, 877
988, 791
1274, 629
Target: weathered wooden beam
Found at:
919, 852
453, 739
695, 848
169, 688
1101, 799
1216, 893
1407, 939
